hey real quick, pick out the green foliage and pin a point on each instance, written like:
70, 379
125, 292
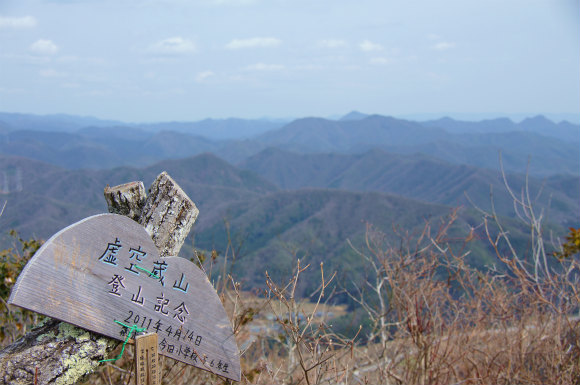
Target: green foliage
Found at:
14, 322
572, 245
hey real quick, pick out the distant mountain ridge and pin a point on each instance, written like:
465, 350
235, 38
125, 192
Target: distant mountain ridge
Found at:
538, 124
101, 148
321, 135
419, 177
55, 122
215, 129
236, 128
550, 155
554, 148
354, 115
218, 129
32, 209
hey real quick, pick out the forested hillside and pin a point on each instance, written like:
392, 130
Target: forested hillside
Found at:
300, 190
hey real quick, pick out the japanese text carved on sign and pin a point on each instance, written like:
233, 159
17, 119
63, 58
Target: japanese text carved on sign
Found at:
106, 268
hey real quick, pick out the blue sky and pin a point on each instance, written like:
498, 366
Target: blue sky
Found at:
159, 60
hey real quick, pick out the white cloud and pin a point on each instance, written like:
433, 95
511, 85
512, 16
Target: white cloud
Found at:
380, 61
369, 46
333, 43
254, 43
17, 22
44, 47
201, 76
265, 67
173, 46
443, 46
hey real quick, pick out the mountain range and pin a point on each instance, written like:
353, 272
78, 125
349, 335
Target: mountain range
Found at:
269, 226
231, 128
296, 190
553, 148
419, 177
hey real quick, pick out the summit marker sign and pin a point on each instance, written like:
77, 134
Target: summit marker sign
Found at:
105, 274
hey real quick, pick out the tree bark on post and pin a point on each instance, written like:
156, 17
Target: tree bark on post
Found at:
60, 353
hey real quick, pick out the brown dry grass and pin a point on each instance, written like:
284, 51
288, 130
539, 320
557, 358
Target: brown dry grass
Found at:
441, 322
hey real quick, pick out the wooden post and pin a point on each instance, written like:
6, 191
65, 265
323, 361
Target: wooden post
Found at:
60, 353
127, 199
168, 215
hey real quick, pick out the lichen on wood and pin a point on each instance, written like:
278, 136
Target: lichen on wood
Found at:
55, 352
168, 215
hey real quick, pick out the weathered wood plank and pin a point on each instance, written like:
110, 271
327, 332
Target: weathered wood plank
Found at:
60, 352
168, 215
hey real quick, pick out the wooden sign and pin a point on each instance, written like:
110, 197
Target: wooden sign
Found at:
104, 274
147, 360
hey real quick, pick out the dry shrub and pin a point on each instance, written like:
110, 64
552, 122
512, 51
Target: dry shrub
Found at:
438, 321
15, 322
313, 353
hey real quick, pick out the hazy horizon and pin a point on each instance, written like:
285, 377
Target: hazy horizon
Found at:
419, 117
